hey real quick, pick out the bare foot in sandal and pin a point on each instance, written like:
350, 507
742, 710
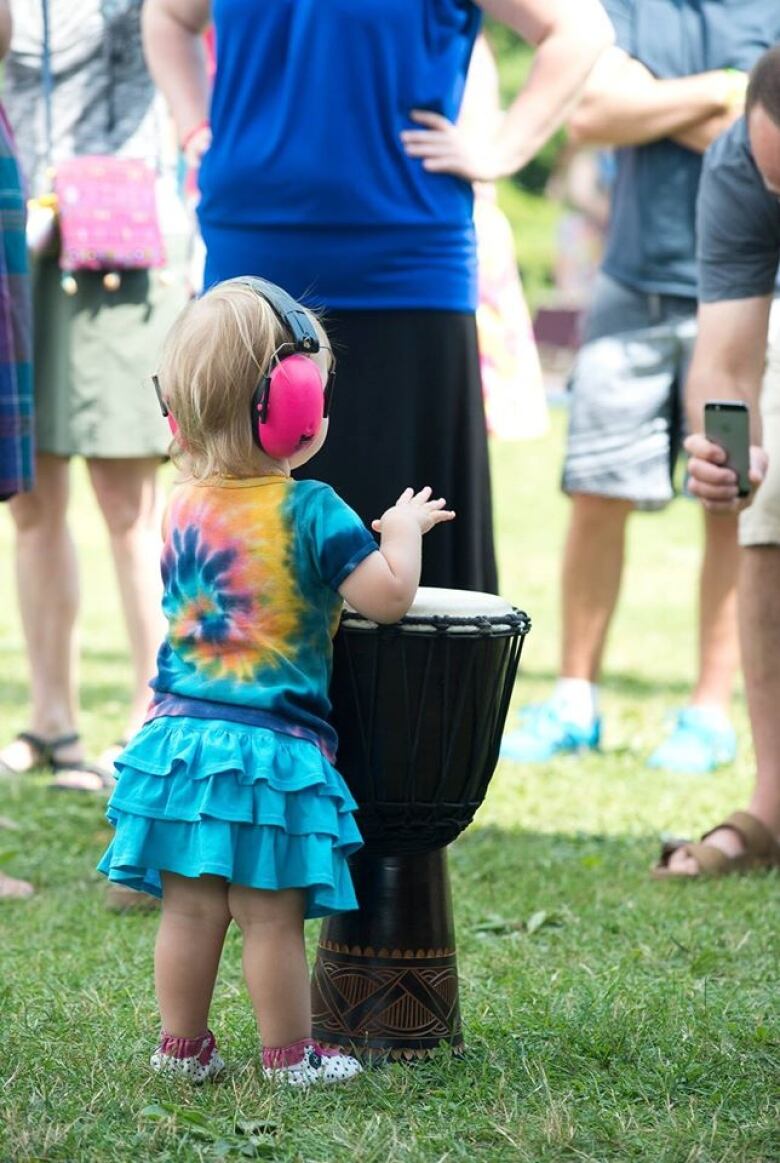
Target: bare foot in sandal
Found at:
726, 840
32, 751
25, 753
83, 776
97, 776
741, 843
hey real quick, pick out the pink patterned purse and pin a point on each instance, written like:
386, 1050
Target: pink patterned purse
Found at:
107, 212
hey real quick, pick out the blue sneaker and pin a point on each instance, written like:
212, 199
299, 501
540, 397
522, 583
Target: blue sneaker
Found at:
543, 734
700, 741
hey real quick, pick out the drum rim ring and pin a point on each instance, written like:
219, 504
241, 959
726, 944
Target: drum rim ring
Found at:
497, 625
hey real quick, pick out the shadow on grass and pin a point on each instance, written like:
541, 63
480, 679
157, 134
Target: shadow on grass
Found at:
494, 852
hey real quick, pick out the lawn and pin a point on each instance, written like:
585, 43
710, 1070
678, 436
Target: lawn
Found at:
607, 1017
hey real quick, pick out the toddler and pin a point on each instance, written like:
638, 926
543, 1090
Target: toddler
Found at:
227, 804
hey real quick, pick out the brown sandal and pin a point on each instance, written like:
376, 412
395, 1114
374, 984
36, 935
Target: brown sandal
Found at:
760, 850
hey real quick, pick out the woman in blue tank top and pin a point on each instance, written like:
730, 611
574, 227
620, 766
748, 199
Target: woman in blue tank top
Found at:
332, 166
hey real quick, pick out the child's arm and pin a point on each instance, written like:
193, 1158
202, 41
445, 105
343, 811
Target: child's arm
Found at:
383, 586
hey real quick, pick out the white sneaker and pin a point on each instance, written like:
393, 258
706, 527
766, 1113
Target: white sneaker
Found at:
196, 1059
316, 1066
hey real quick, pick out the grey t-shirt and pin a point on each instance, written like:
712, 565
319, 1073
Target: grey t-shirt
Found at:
651, 241
738, 223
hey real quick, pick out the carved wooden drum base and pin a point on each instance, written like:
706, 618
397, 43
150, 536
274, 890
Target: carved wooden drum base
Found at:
385, 980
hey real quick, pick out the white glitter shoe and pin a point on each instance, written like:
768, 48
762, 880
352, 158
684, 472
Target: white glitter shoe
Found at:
196, 1059
315, 1066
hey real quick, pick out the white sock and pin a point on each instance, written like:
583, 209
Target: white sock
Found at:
714, 712
577, 700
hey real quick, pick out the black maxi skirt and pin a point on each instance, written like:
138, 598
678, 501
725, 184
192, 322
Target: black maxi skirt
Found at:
407, 410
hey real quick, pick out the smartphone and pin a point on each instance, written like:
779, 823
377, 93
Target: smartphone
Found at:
727, 423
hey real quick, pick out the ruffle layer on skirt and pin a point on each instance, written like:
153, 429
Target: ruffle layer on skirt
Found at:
258, 807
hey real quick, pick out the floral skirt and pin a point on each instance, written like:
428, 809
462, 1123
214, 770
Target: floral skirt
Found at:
209, 797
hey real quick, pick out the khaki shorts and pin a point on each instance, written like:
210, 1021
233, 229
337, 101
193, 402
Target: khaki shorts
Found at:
760, 524
626, 415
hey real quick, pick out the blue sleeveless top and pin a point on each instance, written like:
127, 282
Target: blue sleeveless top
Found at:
307, 182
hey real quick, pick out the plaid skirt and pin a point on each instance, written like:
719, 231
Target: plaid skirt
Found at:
16, 383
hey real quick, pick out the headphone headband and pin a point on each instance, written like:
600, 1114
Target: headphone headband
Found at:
289, 313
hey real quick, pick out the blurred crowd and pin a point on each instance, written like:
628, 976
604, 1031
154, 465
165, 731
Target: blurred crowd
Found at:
356, 165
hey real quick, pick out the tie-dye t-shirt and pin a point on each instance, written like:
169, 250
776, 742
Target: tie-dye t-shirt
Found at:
251, 570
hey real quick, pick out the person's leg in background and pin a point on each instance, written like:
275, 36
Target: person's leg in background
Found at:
754, 835
617, 458
129, 497
751, 837
759, 597
718, 657
17, 452
702, 736
590, 586
48, 595
591, 577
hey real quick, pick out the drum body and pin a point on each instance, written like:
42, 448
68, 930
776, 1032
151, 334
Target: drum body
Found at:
419, 707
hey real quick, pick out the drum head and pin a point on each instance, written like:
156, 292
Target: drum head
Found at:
461, 611
431, 602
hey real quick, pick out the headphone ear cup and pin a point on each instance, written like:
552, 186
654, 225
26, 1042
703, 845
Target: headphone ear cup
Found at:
294, 404
174, 427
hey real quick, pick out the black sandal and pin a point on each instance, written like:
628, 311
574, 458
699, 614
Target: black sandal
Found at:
41, 753
78, 774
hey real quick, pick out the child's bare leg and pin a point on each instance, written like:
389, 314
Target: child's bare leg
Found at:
275, 968
195, 919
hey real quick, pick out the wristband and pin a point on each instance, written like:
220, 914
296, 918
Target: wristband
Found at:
191, 133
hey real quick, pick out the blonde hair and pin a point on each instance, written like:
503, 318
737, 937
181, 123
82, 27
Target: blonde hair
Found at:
212, 360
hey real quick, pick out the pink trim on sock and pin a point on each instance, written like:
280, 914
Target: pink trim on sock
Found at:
276, 1057
327, 1051
201, 1047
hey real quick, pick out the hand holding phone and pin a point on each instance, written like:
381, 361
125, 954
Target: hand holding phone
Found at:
727, 424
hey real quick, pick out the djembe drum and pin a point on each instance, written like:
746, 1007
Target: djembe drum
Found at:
419, 707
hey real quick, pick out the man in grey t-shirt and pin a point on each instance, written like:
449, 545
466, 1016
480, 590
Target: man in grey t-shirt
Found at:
739, 253
673, 82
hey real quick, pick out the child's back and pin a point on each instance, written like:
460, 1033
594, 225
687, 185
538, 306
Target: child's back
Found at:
251, 570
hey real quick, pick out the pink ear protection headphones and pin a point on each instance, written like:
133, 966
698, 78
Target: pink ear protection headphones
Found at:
290, 401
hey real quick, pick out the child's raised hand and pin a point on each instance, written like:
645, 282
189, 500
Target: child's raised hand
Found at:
417, 507
384, 584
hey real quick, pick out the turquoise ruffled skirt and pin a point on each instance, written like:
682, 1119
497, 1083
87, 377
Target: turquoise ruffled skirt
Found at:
258, 807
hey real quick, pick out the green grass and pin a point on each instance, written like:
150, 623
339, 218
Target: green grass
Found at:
607, 1017
534, 220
